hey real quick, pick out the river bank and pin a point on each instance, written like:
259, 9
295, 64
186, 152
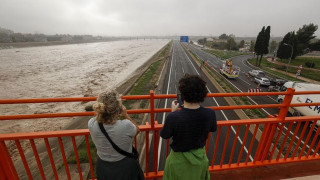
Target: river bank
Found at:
13, 45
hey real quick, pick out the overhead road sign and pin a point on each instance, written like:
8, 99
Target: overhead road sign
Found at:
184, 38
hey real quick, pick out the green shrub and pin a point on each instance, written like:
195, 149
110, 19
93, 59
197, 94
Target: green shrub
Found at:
281, 67
310, 64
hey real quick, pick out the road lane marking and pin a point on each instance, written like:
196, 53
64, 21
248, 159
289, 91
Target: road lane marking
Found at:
244, 81
165, 105
245, 64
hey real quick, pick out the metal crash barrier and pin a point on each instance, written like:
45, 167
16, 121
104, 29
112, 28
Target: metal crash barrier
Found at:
267, 141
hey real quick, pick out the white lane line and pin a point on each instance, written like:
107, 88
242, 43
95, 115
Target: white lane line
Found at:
213, 56
245, 64
275, 100
234, 131
165, 105
244, 81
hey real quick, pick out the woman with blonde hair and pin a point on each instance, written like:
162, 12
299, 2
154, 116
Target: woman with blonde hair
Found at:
110, 163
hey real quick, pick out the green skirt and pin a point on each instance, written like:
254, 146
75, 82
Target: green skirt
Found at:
191, 165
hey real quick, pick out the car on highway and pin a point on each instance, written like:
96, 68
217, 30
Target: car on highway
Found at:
257, 73
277, 82
274, 88
262, 81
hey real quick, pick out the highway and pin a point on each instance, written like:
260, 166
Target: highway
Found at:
180, 63
244, 82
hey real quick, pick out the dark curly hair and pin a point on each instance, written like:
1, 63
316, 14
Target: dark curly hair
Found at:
192, 88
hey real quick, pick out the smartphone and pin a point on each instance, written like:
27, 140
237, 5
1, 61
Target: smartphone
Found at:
180, 101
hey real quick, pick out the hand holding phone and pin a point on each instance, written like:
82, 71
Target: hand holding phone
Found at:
179, 100
174, 105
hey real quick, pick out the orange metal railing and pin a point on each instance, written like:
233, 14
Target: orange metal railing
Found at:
273, 140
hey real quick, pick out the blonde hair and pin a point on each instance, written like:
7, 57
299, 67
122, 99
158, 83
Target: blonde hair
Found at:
108, 107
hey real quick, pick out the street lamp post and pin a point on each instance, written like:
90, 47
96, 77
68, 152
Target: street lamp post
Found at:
290, 56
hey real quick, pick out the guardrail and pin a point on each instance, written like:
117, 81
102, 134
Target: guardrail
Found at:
272, 140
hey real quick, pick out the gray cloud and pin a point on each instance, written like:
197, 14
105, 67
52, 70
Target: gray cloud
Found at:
162, 17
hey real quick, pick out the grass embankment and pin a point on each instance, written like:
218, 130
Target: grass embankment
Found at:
225, 54
272, 67
302, 60
142, 86
251, 113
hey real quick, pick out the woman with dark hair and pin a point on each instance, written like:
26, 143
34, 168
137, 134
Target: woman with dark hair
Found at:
189, 128
110, 163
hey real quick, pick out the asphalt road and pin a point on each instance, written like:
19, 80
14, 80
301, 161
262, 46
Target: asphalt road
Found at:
245, 82
180, 64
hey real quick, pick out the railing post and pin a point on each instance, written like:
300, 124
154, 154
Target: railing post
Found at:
272, 132
155, 150
155, 133
262, 142
152, 108
7, 168
286, 102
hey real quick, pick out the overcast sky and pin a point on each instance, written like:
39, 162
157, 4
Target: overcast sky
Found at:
158, 17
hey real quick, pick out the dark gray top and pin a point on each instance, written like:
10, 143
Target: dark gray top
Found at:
189, 128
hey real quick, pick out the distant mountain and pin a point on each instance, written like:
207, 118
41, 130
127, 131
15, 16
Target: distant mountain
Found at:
6, 31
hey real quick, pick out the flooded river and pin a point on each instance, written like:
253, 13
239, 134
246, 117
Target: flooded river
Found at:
75, 70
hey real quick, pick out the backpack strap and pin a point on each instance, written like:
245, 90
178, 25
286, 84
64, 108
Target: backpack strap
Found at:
125, 153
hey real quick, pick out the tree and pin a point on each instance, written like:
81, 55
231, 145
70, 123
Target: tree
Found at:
266, 39
241, 44
223, 36
262, 44
273, 46
231, 44
258, 48
284, 51
304, 35
5, 38
219, 45
315, 46
202, 41
252, 44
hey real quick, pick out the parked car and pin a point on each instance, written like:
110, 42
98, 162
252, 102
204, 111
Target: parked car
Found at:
257, 73
262, 81
277, 82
